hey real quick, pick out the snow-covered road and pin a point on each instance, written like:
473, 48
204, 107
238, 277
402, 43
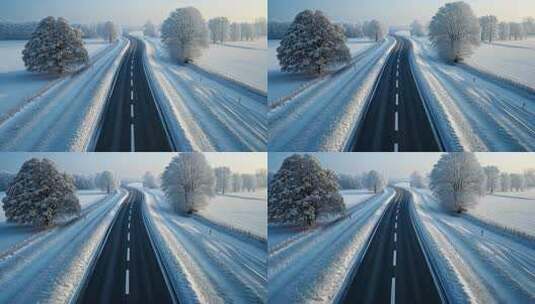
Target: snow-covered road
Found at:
324, 116
313, 266
208, 264
50, 266
473, 112
205, 112
65, 116
478, 263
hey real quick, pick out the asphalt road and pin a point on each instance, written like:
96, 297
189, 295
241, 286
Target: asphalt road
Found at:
394, 269
127, 270
131, 121
396, 119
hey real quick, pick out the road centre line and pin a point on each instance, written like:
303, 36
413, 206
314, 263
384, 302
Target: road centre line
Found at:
393, 291
128, 254
396, 122
397, 99
395, 237
127, 283
396, 225
132, 116
396, 147
128, 237
394, 260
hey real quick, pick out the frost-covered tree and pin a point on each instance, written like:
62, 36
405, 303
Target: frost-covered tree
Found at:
249, 182
54, 47
188, 181
417, 29
492, 174
111, 33
346, 181
302, 191
219, 29
222, 179
374, 30
456, 180
149, 181
5, 180
417, 180
454, 31
375, 181
16, 30
106, 181
83, 182
529, 25
529, 176
149, 30
40, 195
236, 182
505, 182
489, 28
184, 34
503, 31
352, 30
516, 31
235, 31
247, 31
312, 44
260, 27
261, 178
277, 30
518, 183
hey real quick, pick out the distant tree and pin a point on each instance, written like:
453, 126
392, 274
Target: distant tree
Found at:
110, 31
417, 29
55, 47
505, 182
518, 183
5, 180
149, 181
346, 182
352, 30
492, 174
456, 181
312, 44
302, 191
236, 182
235, 32
219, 29
260, 26
277, 30
417, 180
529, 177
149, 30
249, 182
489, 28
529, 25
374, 30
504, 32
375, 181
222, 179
40, 195
184, 33
188, 181
106, 181
17, 30
516, 31
454, 31
261, 178
82, 182
247, 31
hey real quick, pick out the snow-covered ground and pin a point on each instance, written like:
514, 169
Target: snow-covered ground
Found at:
244, 61
513, 60
205, 112
472, 111
49, 265
282, 84
477, 263
324, 116
515, 210
242, 210
313, 265
39, 113
355, 197
208, 263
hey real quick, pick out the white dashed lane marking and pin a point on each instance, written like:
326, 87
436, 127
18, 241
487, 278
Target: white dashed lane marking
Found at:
128, 254
127, 283
396, 147
394, 259
393, 291
396, 122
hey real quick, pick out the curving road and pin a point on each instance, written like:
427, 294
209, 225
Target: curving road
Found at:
396, 119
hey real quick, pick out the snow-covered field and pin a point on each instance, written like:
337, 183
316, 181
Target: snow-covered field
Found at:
514, 210
355, 197
471, 111
205, 112
324, 116
45, 114
313, 265
285, 84
243, 210
244, 61
49, 265
208, 264
476, 262
513, 60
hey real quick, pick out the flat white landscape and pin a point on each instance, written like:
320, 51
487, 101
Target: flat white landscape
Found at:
244, 61
245, 211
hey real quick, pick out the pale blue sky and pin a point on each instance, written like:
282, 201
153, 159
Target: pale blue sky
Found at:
131, 164
128, 12
401, 165
395, 12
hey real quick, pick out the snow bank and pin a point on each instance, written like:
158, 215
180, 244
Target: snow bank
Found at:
324, 116
470, 111
203, 111
210, 265
51, 266
244, 211
313, 266
244, 61
476, 264
64, 117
